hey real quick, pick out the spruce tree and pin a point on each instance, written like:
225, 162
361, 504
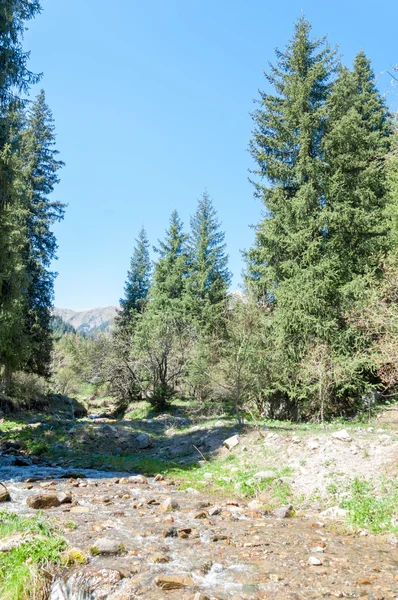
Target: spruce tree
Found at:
209, 277
356, 141
286, 267
38, 175
171, 269
138, 281
15, 78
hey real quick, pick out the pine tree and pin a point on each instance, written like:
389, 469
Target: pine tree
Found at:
38, 175
15, 78
209, 277
138, 281
286, 266
355, 144
171, 269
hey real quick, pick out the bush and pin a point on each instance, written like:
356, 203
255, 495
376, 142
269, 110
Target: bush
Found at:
28, 391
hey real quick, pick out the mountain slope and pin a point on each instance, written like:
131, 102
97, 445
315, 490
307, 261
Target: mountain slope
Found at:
88, 321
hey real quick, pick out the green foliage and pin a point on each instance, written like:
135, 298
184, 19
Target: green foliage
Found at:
375, 510
319, 144
209, 277
21, 575
138, 281
15, 79
171, 269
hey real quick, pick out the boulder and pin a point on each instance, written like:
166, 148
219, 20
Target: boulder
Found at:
143, 441
231, 442
43, 501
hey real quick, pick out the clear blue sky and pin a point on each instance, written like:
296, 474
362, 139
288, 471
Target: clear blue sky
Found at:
152, 100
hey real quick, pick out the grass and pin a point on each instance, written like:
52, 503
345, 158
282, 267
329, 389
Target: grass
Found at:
371, 509
22, 570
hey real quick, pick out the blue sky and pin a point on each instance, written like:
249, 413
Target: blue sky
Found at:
151, 102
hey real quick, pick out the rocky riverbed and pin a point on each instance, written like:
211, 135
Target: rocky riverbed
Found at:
141, 537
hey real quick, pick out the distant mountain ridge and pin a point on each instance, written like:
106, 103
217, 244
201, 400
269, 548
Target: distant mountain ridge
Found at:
88, 321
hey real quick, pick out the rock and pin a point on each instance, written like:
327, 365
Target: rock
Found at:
215, 510
231, 442
91, 583
169, 504
65, 498
314, 561
4, 494
317, 549
200, 515
287, 480
138, 479
263, 475
208, 475
284, 512
106, 546
80, 509
192, 491
43, 501
199, 596
159, 477
73, 556
364, 581
143, 441
342, 435
334, 512
159, 559
173, 582
171, 532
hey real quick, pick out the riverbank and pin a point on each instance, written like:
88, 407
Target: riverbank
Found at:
268, 512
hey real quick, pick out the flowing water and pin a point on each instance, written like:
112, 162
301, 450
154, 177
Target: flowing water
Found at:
223, 549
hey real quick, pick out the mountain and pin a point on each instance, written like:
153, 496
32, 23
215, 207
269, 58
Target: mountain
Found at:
88, 321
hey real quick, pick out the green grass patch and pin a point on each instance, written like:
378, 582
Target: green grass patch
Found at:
22, 569
375, 510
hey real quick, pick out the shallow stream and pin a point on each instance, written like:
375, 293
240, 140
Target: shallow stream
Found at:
222, 549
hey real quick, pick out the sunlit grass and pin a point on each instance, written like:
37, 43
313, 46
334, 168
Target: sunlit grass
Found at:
22, 570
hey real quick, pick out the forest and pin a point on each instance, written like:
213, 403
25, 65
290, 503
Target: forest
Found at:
313, 332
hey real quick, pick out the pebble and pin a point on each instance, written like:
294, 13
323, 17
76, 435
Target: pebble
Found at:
314, 561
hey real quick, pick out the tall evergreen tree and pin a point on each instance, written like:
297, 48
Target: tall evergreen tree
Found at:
209, 277
286, 264
38, 171
15, 78
172, 267
138, 283
355, 144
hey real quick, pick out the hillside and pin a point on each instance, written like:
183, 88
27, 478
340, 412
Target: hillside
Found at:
88, 321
